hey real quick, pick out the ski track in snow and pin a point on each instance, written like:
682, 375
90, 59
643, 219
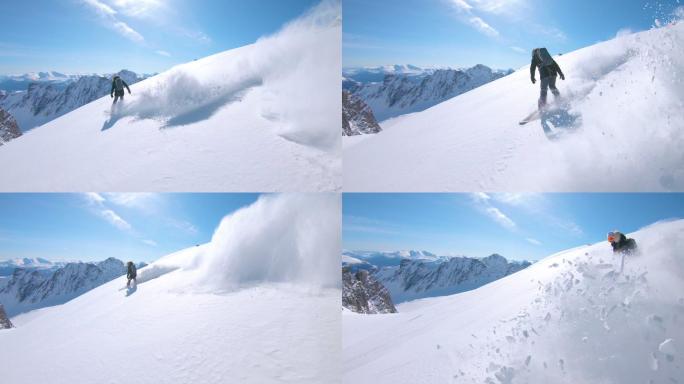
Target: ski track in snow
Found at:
622, 130
570, 318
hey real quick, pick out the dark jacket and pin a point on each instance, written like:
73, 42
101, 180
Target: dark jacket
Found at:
132, 272
544, 71
624, 244
118, 86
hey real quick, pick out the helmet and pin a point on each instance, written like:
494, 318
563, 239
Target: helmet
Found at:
614, 236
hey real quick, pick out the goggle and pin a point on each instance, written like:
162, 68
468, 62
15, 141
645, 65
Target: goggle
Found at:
612, 236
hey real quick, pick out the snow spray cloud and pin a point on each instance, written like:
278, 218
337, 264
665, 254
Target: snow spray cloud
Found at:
590, 324
280, 238
295, 73
630, 94
301, 68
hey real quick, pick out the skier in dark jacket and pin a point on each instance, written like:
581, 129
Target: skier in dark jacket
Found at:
131, 274
118, 85
620, 242
548, 71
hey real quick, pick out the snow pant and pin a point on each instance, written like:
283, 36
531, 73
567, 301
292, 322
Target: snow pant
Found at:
545, 83
135, 282
118, 95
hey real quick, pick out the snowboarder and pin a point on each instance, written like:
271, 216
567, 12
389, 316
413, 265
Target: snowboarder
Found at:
548, 71
118, 85
620, 242
622, 245
131, 275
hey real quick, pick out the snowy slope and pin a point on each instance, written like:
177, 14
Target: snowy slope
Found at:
264, 117
625, 99
260, 303
569, 318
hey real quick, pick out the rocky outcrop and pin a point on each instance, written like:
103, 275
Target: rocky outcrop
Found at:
357, 117
362, 293
5, 322
9, 129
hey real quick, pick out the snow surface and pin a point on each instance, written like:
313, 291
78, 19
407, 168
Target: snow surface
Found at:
623, 129
264, 117
570, 318
214, 313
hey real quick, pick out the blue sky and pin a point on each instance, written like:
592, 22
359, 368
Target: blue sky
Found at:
517, 226
104, 36
93, 227
498, 33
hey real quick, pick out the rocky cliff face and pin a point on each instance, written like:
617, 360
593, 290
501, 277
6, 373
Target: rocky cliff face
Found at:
44, 101
9, 129
5, 322
29, 288
401, 93
362, 293
414, 279
357, 117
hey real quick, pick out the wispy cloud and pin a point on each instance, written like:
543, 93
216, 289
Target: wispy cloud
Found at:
367, 225
97, 203
149, 242
114, 219
483, 202
533, 241
482, 26
163, 53
467, 14
108, 16
539, 206
518, 49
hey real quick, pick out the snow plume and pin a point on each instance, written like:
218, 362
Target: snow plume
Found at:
301, 66
294, 76
590, 324
280, 238
629, 93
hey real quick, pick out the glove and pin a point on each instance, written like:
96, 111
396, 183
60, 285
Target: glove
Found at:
534, 81
129, 91
562, 76
111, 95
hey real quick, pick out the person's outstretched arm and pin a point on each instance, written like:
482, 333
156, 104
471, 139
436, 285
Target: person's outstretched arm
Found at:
533, 69
126, 85
560, 73
111, 92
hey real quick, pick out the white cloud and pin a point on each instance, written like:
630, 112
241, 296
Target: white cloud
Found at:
500, 218
94, 198
468, 15
114, 219
149, 242
518, 49
137, 8
533, 241
483, 27
462, 5
366, 225
142, 201
482, 202
108, 16
163, 53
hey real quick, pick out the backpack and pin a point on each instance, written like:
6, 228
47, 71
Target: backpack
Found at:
118, 84
543, 57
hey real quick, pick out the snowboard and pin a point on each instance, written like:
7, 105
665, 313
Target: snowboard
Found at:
531, 117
